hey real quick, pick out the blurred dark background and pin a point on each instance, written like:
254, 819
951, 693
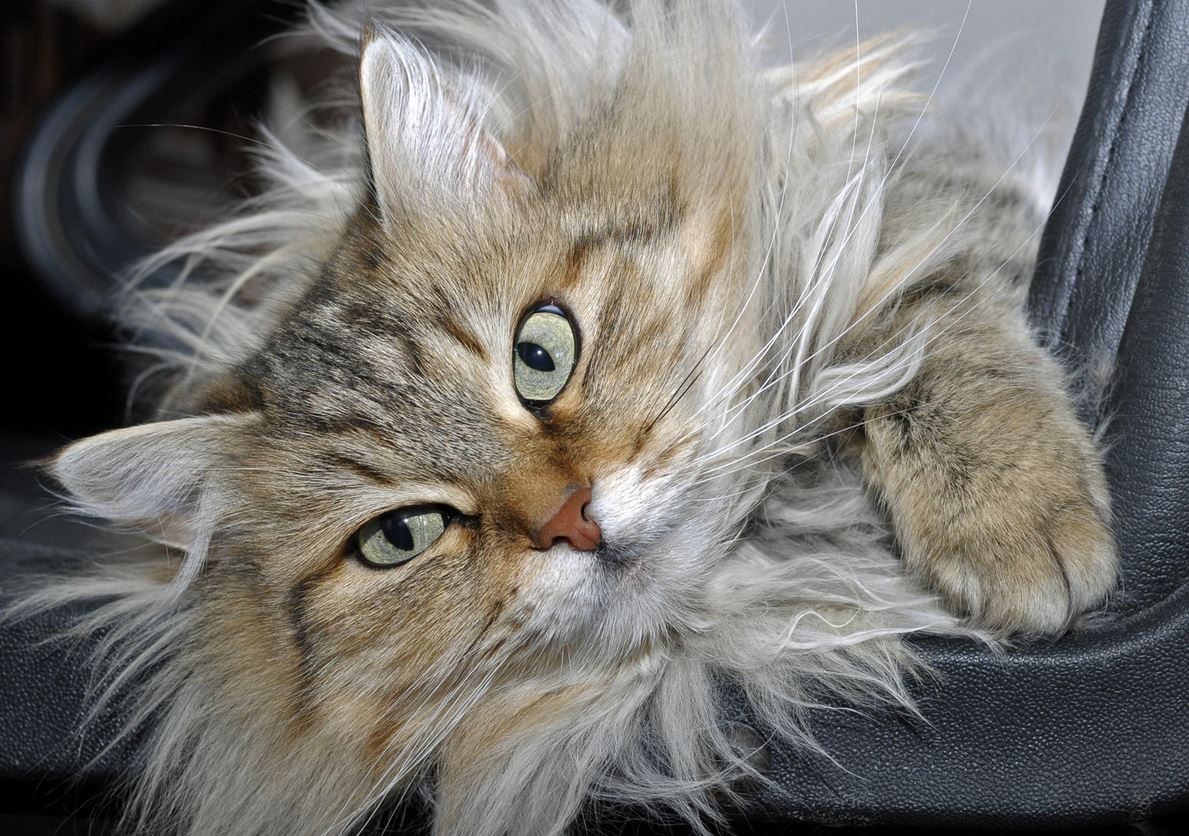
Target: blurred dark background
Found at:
60, 373
64, 375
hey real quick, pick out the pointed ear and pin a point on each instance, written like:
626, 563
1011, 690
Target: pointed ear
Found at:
425, 140
160, 478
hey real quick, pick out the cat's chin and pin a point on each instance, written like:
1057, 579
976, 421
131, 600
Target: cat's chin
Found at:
612, 602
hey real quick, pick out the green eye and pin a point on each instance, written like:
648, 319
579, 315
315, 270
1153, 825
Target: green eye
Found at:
545, 354
399, 536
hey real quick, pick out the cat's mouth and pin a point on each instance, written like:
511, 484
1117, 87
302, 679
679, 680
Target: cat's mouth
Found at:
626, 565
618, 557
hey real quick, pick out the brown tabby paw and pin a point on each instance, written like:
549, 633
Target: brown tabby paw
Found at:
1002, 515
1028, 568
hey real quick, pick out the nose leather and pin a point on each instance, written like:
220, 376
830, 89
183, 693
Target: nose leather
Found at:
570, 524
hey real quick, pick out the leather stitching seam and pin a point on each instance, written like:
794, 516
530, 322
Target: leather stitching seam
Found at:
1124, 109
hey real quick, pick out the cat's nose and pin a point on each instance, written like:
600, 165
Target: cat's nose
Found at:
570, 523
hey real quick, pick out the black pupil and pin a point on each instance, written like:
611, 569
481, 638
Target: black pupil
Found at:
396, 530
535, 357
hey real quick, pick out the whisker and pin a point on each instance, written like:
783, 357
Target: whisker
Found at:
891, 168
932, 336
690, 377
899, 283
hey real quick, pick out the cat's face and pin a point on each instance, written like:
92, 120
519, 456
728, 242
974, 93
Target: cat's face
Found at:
396, 385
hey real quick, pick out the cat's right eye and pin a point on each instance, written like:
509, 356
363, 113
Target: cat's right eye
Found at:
398, 536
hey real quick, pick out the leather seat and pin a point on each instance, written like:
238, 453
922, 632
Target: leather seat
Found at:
1092, 727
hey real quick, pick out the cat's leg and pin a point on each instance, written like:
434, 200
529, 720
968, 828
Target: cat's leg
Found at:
994, 487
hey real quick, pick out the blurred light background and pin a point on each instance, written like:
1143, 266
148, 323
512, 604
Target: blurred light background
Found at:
1055, 37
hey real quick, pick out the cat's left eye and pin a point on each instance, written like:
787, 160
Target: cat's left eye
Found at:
545, 354
398, 536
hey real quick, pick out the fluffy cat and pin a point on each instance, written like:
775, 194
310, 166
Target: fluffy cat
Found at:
588, 372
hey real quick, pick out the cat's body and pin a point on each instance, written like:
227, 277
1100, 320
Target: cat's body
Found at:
774, 301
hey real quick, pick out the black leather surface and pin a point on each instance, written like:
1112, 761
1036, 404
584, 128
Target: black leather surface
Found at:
43, 685
1092, 256
43, 709
1090, 728
1095, 243
1088, 732
1148, 465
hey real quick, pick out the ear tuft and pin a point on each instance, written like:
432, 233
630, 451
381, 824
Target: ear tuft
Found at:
425, 140
160, 478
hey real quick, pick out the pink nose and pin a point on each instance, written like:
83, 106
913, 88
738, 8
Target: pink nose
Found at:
570, 523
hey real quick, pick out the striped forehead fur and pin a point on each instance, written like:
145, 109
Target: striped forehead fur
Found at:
786, 587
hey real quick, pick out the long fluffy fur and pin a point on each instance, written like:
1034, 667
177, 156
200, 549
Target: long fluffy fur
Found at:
806, 601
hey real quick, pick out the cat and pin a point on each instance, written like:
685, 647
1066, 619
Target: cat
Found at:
582, 368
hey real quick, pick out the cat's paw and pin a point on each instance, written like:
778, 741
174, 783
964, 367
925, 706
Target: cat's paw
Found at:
1004, 512
1023, 566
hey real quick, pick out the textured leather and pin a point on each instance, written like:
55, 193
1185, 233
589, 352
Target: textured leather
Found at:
43, 690
1148, 463
1094, 246
1089, 728
1089, 731
1091, 260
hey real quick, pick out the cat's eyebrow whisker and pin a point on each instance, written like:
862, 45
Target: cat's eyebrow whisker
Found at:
871, 308
903, 329
695, 372
850, 182
902, 365
845, 198
820, 278
931, 336
773, 242
793, 448
854, 137
719, 498
740, 377
818, 398
203, 128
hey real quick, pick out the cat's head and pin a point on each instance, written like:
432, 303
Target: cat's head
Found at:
504, 421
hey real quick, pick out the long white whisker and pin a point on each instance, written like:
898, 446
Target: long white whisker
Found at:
932, 335
729, 390
900, 282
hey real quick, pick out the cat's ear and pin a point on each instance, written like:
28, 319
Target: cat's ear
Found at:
161, 478
425, 139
